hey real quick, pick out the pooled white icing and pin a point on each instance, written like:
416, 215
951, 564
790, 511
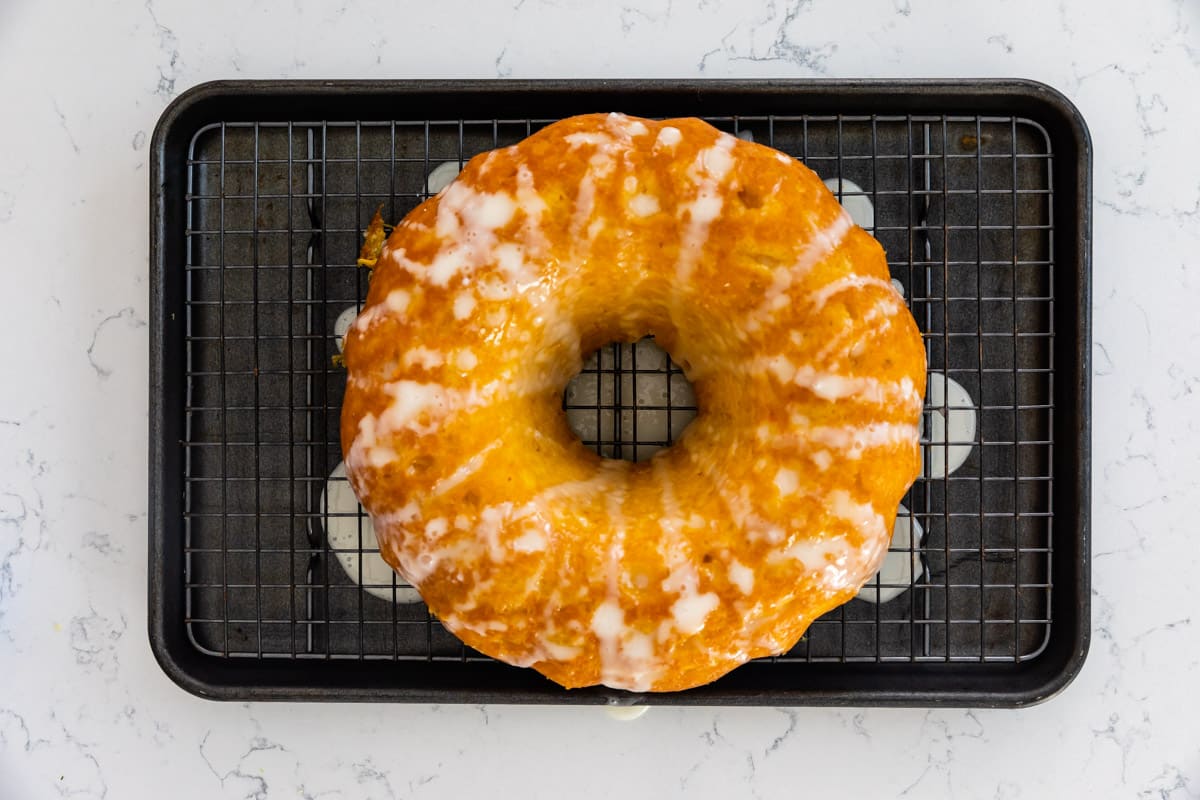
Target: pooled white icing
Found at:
352, 539
626, 713
952, 425
341, 326
441, 176
854, 200
902, 565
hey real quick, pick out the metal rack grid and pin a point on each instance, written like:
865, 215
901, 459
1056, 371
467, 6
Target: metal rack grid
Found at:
962, 206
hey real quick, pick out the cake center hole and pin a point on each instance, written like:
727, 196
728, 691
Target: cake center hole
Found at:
629, 401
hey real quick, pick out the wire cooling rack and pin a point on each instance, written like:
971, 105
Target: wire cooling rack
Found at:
964, 205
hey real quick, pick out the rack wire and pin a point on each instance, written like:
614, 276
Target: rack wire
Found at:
962, 205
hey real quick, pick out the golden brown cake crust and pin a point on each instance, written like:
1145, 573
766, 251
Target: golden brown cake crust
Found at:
773, 507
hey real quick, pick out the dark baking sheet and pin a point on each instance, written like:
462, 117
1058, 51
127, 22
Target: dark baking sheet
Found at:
259, 192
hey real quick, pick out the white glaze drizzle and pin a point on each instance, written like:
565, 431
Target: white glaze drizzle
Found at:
831, 560
822, 296
468, 468
829, 385
627, 657
821, 244
875, 321
691, 607
832, 386
625, 126
850, 441
396, 303
741, 576
668, 137
420, 408
708, 171
643, 205
468, 219
423, 357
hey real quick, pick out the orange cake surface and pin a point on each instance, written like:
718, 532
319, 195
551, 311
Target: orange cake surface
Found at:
774, 506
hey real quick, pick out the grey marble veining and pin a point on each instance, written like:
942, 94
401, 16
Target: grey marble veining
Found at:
86, 713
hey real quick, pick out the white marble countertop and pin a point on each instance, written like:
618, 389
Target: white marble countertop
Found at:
86, 712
